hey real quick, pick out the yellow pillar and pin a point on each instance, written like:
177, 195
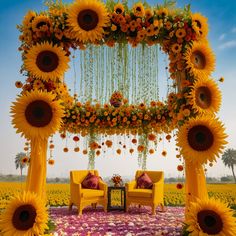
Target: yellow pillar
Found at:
36, 179
195, 185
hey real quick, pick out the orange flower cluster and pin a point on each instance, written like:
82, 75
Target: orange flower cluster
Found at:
93, 146
124, 119
116, 99
116, 179
55, 87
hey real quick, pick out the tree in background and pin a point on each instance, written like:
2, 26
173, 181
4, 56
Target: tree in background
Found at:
21, 160
229, 159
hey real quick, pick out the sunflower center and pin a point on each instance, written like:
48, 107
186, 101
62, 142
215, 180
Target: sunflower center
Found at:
200, 138
138, 8
38, 113
24, 217
47, 61
199, 25
210, 222
203, 97
198, 59
88, 19
119, 11
40, 24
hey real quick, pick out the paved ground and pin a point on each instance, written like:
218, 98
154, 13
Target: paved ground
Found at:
135, 222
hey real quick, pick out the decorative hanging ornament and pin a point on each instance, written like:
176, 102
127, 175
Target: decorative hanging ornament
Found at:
116, 99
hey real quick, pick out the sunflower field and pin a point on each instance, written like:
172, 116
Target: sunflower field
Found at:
58, 194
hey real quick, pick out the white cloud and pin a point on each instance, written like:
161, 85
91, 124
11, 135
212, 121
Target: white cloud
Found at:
229, 44
234, 30
222, 36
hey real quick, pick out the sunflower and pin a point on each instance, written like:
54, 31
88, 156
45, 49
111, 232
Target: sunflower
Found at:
148, 13
201, 139
26, 214
28, 18
46, 61
162, 12
119, 8
200, 59
41, 22
36, 114
199, 24
138, 10
87, 19
205, 96
210, 217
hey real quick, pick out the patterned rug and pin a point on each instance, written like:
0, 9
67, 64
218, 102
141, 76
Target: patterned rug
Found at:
138, 221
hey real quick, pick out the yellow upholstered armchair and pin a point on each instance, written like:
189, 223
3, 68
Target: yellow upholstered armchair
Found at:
82, 197
151, 197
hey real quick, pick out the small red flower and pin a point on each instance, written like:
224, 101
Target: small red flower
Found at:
179, 186
76, 138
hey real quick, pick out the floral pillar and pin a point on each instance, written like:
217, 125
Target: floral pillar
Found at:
37, 116
195, 185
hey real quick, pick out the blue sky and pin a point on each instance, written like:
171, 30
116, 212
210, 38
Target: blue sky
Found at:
222, 37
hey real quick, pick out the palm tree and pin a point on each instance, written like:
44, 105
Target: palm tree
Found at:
18, 161
229, 159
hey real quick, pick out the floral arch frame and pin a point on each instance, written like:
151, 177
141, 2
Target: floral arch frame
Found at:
46, 39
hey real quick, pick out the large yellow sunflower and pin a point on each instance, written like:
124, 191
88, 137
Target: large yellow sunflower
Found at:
41, 22
36, 114
25, 214
210, 217
46, 61
201, 139
200, 59
205, 96
87, 19
199, 24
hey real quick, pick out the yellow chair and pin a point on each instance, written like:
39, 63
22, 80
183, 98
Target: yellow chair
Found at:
151, 197
82, 197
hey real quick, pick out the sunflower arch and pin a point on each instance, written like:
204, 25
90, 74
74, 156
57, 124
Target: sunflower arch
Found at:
46, 42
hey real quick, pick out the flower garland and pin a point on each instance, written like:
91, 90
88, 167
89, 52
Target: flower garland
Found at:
48, 37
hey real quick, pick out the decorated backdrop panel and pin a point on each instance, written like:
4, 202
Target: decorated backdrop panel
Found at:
116, 92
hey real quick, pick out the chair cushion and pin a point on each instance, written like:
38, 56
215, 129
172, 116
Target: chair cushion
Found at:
90, 181
144, 181
90, 193
140, 193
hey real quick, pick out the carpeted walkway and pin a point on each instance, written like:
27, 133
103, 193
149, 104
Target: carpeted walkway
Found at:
135, 222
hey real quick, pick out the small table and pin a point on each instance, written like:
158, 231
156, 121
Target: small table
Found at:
116, 198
